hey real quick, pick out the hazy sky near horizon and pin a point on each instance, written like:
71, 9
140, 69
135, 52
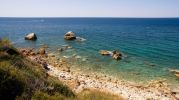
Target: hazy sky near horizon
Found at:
89, 8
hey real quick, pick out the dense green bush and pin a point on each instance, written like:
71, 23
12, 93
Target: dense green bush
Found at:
10, 86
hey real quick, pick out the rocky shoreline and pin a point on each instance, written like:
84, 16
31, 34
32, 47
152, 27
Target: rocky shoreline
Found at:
77, 80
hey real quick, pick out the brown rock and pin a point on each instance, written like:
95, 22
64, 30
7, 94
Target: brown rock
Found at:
105, 52
175, 71
66, 69
70, 36
31, 36
60, 49
32, 53
177, 75
42, 51
51, 55
177, 96
117, 55
175, 90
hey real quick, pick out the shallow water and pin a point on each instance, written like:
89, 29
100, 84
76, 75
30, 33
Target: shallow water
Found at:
150, 46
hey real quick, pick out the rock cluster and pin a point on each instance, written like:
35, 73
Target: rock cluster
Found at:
115, 55
59, 68
31, 36
27, 52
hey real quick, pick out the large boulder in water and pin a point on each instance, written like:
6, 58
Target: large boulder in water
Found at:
70, 36
31, 36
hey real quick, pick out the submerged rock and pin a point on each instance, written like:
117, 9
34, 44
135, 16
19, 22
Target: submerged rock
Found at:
105, 52
31, 36
177, 75
70, 36
175, 71
44, 46
80, 39
67, 47
117, 55
60, 49
78, 57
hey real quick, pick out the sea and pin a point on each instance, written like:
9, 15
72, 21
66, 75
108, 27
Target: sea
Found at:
150, 46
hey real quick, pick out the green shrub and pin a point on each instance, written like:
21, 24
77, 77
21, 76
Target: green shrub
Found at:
60, 88
10, 86
39, 95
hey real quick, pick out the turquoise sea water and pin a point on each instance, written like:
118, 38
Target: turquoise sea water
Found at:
150, 45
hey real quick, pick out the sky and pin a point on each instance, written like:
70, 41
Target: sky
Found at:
89, 8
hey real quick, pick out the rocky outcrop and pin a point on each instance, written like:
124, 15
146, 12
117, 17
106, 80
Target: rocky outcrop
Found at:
31, 36
70, 36
27, 52
116, 55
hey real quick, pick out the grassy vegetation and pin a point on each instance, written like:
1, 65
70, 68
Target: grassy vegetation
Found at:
97, 95
22, 79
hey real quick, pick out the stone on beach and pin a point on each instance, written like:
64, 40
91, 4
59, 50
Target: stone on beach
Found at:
27, 52
70, 36
31, 36
42, 51
177, 96
51, 55
175, 90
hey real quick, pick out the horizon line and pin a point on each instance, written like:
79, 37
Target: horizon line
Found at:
81, 17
